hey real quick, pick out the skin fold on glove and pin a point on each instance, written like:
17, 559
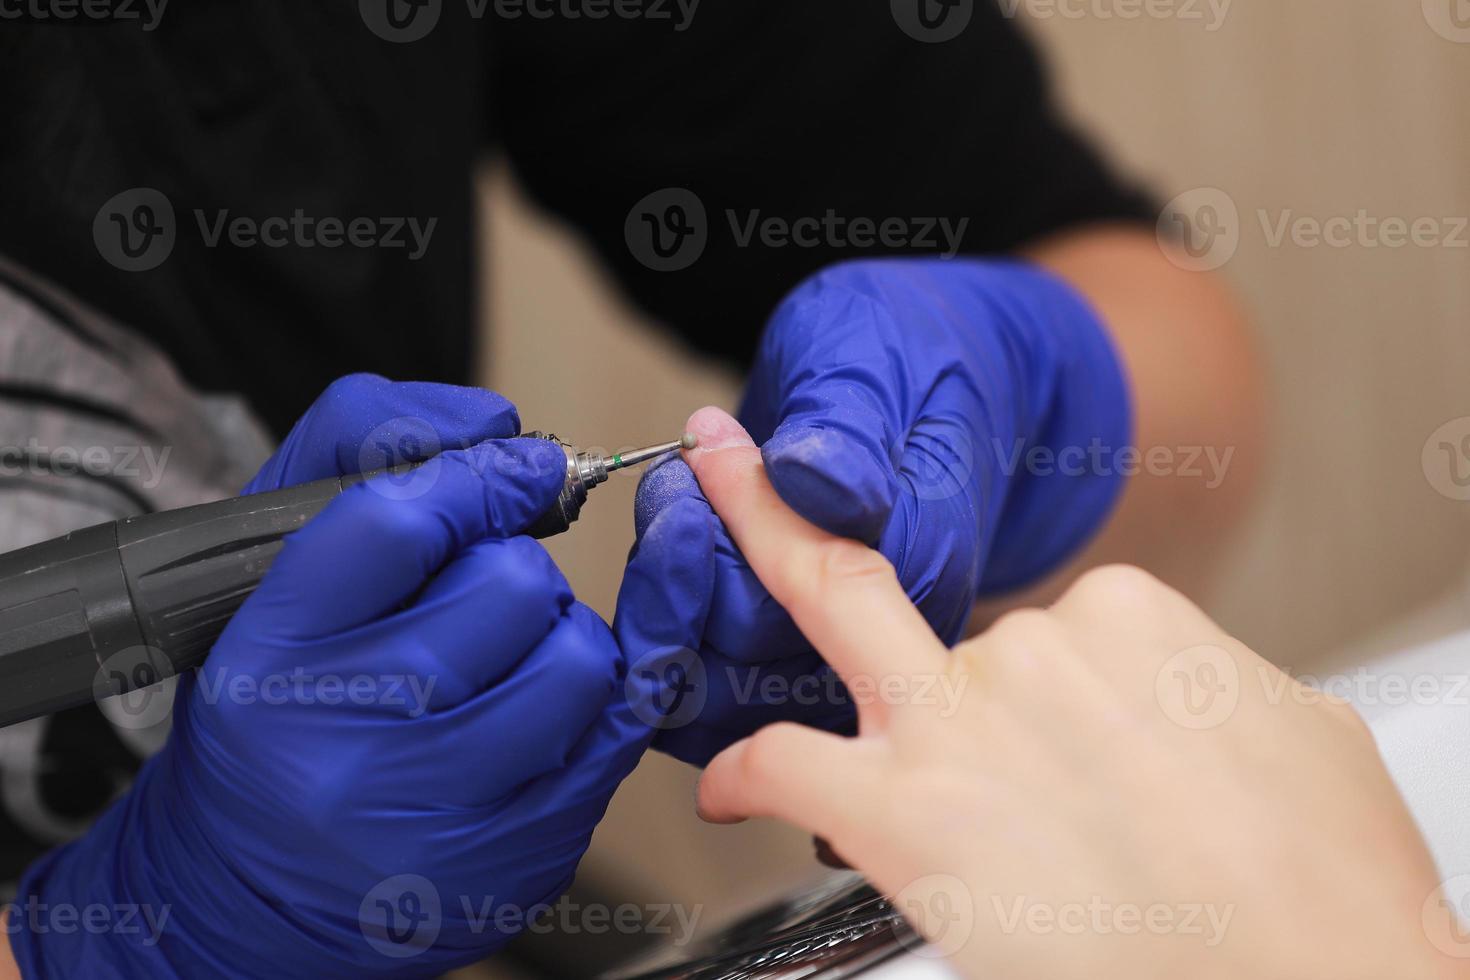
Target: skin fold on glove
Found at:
398, 750
963, 417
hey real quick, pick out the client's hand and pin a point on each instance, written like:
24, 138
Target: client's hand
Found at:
1112, 787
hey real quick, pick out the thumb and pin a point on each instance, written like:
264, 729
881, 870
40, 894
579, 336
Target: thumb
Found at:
839, 479
662, 608
827, 394
374, 547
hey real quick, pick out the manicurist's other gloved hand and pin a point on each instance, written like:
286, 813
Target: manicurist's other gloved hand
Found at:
959, 416
409, 723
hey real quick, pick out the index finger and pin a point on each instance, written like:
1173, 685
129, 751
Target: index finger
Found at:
843, 595
375, 547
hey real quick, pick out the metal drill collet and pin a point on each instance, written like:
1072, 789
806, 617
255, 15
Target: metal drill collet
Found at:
588, 470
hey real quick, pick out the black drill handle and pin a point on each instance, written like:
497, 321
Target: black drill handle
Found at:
118, 606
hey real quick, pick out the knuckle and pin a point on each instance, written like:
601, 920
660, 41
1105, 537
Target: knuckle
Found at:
1022, 638
1119, 587
351, 388
969, 657
523, 571
398, 522
358, 508
850, 271
844, 563
837, 567
766, 754
1024, 624
592, 669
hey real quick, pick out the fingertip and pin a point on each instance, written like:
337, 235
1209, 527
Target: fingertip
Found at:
595, 657
522, 479
383, 423
467, 413
668, 480
541, 462
724, 458
528, 570
669, 583
684, 528
597, 635
714, 429
362, 423
713, 801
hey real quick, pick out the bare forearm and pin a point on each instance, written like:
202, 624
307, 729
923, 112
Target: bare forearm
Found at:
9, 970
1198, 397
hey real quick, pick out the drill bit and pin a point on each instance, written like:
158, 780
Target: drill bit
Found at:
585, 472
632, 458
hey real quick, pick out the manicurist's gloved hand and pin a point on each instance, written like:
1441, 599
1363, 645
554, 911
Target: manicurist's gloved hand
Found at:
960, 416
401, 743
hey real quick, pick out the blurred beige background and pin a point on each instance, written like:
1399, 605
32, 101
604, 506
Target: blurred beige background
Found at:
1324, 108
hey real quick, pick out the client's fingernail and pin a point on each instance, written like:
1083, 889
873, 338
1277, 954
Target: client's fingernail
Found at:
715, 429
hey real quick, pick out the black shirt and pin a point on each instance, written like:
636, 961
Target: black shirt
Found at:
270, 109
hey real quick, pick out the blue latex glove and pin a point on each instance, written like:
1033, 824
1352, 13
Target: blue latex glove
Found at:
898, 402
365, 836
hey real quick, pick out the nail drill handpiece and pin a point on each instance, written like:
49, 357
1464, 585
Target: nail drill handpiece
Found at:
120, 606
